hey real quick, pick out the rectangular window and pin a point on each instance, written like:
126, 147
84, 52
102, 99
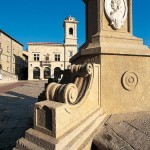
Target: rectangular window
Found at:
36, 57
7, 69
0, 45
57, 57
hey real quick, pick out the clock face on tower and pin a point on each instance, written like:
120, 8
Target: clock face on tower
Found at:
116, 12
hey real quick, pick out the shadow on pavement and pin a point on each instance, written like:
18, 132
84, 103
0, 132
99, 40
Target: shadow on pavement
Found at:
16, 116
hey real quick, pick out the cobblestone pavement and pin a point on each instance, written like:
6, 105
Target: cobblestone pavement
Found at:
16, 110
124, 132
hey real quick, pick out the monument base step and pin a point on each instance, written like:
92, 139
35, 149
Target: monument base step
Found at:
79, 138
24, 144
40, 139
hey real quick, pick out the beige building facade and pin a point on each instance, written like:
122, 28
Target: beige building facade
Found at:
11, 58
47, 57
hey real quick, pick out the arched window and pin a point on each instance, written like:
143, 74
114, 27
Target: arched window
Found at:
57, 73
0, 66
71, 31
47, 73
36, 73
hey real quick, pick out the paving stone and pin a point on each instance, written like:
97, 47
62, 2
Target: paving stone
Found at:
142, 125
107, 139
132, 136
125, 131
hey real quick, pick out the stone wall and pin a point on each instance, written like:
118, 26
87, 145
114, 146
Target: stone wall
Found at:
11, 56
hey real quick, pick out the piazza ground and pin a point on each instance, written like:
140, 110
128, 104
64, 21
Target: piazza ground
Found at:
16, 110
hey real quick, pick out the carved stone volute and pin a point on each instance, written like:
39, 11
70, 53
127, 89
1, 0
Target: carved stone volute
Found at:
71, 93
82, 70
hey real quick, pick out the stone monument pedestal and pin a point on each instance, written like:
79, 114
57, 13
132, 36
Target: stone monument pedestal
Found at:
109, 75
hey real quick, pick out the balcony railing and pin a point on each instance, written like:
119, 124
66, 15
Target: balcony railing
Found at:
45, 63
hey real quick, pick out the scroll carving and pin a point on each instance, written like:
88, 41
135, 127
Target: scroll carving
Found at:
71, 93
82, 70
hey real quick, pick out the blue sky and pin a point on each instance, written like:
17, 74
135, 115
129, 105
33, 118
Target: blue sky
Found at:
42, 20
